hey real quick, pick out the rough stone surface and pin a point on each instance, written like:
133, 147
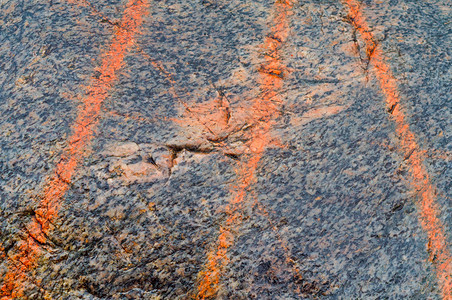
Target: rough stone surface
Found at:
332, 198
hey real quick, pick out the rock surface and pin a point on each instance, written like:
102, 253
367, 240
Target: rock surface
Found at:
242, 146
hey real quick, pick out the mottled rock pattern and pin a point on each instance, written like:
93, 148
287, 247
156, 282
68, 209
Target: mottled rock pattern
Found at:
145, 206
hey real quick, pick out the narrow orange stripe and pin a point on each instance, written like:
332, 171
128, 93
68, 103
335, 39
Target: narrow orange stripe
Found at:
29, 250
265, 110
437, 245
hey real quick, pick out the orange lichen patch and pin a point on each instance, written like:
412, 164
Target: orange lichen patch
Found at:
437, 245
30, 249
263, 112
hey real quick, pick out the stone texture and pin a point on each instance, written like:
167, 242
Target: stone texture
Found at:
332, 199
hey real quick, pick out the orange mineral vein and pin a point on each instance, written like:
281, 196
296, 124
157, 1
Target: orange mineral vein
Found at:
264, 110
437, 245
29, 250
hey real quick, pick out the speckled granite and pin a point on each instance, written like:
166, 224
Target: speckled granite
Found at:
331, 213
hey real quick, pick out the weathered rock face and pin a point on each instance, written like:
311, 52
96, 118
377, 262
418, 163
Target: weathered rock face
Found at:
225, 149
